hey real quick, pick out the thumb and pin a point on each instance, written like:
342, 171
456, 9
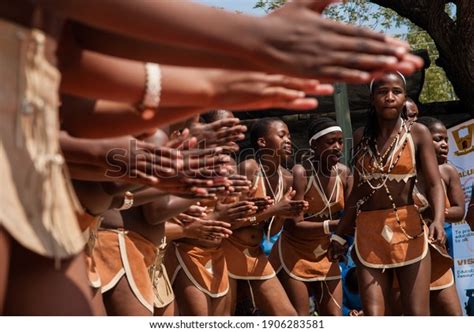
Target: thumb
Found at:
316, 5
289, 193
431, 233
252, 192
292, 194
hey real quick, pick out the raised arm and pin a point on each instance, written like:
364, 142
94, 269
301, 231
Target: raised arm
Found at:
295, 40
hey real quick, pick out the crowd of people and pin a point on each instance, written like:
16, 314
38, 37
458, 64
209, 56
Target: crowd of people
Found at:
123, 191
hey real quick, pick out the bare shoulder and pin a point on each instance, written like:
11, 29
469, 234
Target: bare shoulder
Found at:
248, 167
449, 170
344, 170
298, 170
420, 133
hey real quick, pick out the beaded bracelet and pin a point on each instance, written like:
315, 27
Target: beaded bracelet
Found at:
152, 96
338, 239
326, 227
127, 201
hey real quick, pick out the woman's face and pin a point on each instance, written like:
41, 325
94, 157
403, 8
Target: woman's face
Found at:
412, 110
388, 97
440, 141
278, 138
329, 147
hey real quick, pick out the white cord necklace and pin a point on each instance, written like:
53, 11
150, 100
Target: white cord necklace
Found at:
326, 201
277, 196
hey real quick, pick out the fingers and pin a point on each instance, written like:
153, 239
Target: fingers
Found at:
143, 178
364, 40
316, 5
216, 228
179, 141
217, 125
301, 104
239, 180
299, 205
196, 211
290, 193
242, 211
261, 201
436, 234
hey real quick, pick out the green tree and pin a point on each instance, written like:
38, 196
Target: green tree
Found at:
444, 28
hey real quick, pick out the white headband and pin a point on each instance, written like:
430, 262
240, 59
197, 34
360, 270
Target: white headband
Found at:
324, 132
397, 72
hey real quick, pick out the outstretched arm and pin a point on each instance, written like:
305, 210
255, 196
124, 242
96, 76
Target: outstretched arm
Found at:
294, 40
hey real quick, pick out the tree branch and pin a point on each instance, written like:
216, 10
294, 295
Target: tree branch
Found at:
428, 15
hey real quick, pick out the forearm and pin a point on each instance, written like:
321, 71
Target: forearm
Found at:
97, 76
308, 228
147, 196
176, 22
87, 172
174, 231
267, 213
436, 199
454, 214
346, 225
177, 205
166, 208
139, 50
124, 117
80, 151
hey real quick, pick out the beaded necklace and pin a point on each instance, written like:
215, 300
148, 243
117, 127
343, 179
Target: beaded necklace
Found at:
364, 199
379, 163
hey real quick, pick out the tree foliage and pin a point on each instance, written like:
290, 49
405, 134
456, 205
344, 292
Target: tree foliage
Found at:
366, 13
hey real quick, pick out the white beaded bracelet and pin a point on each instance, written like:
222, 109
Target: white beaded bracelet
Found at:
338, 239
127, 201
151, 99
326, 227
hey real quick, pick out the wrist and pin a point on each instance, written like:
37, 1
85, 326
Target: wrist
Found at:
326, 226
338, 239
127, 201
257, 50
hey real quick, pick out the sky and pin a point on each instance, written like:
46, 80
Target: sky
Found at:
245, 6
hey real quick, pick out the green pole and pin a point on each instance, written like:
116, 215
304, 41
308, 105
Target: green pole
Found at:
343, 117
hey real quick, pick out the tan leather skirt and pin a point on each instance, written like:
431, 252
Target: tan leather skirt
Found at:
37, 204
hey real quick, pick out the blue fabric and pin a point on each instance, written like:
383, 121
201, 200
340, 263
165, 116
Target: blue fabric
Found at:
448, 228
266, 245
350, 300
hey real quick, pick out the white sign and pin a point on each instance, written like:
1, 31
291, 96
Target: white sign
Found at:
461, 155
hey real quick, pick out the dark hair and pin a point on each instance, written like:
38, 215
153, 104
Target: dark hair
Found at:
429, 122
260, 129
214, 115
319, 124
